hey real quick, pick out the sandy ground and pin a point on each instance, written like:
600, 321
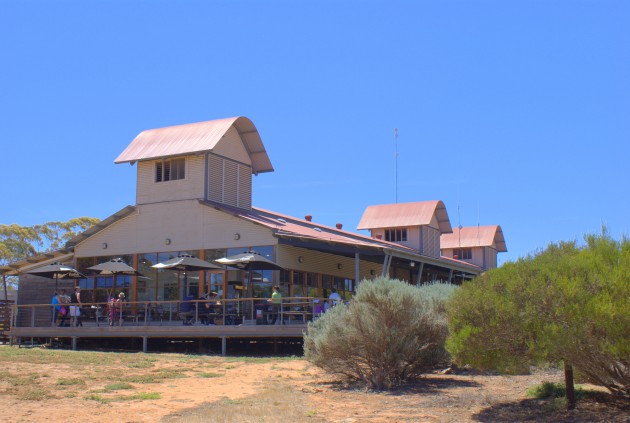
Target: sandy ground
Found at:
438, 398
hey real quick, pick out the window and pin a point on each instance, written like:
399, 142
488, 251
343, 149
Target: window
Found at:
396, 235
462, 253
170, 170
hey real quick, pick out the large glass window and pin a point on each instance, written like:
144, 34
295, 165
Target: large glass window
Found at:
298, 288
98, 288
146, 287
168, 287
311, 285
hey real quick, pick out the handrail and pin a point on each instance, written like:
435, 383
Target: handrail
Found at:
145, 312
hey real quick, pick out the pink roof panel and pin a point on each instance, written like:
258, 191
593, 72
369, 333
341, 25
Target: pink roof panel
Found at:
405, 215
196, 138
474, 236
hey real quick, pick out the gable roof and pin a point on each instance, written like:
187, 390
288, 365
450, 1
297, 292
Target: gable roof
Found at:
475, 236
195, 138
405, 215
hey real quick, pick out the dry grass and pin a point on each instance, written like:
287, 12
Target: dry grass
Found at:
177, 388
276, 402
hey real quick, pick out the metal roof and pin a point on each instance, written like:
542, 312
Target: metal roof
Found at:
288, 227
406, 215
194, 138
475, 236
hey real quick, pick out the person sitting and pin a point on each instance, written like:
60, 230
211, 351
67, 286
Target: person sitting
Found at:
186, 312
211, 308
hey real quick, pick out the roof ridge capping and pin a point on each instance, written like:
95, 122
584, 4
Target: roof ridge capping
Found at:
417, 213
195, 138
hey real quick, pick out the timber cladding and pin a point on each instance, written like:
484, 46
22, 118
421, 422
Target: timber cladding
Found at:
38, 290
5, 318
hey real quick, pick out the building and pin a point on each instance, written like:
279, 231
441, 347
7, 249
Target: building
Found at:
194, 195
477, 245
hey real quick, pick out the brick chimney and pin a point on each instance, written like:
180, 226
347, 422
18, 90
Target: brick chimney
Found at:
339, 225
308, 217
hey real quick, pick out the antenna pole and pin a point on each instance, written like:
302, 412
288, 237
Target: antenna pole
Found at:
396, 159
459, 226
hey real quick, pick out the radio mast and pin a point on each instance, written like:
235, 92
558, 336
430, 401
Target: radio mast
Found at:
396, 160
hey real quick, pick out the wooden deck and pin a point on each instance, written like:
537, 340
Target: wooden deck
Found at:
162, 331
146, 332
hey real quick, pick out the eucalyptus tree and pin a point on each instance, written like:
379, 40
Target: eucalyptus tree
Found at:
18, 242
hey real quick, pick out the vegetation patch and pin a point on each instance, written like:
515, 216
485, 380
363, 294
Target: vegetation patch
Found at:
389, 334
118, 386
34, 394
566, 304
210, 375
70, 381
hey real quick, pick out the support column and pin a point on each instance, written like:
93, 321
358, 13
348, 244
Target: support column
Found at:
386, 263
223, 346
134, 280
145, 344
357, 270
202, 275
74, 343
419, 280
450, 276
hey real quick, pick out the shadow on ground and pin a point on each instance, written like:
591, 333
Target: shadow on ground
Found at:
426, 385
602, 408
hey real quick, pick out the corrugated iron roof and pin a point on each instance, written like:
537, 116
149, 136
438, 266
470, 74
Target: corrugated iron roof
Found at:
475, 236
292, 227
196, 138
406, 215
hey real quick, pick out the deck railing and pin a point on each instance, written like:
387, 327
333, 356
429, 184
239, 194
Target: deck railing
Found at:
243, 311
6, 308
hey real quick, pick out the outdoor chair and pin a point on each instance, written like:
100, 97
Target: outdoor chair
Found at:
186, 312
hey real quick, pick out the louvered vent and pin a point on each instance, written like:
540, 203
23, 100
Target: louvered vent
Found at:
229, 182
244, 187
431, 241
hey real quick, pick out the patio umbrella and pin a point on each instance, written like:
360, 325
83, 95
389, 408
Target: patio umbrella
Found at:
249, 260
186, 263
115, 267
57, 271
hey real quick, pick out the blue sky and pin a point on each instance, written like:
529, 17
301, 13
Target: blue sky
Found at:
512, 112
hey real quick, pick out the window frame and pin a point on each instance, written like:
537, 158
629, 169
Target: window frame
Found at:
396, 235
463, 253
164, 170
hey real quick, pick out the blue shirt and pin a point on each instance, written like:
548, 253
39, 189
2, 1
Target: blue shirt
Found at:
55, 300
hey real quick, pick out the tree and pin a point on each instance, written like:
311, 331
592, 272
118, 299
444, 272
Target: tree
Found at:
390, 332
568, 303
18, 242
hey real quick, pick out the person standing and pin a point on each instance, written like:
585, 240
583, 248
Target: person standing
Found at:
334, 297
75, 307
55, 308
119, 305
276, 304
64, 301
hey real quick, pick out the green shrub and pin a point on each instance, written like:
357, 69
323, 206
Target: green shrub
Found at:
390, 332
569, 303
